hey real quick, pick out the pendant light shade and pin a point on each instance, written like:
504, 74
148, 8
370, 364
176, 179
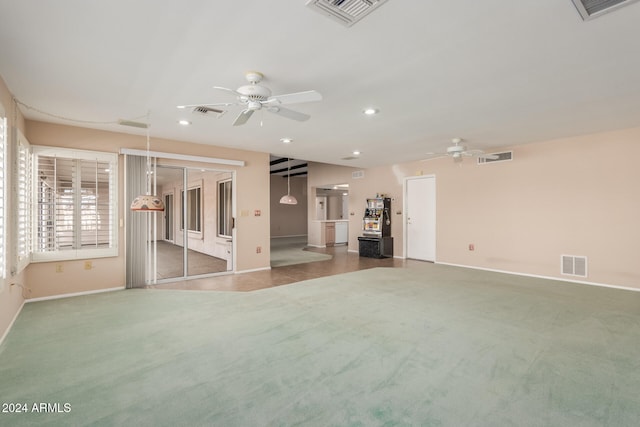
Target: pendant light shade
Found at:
288, 199
147, 202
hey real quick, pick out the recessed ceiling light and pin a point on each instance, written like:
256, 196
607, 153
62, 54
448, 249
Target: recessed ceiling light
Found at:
286, 140
370, 111
356, 153
184, 122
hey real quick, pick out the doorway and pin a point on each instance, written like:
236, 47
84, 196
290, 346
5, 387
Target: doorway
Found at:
420, 226
195, 238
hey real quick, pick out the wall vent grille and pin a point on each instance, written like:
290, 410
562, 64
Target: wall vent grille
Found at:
574, 265
346, 12
590, 9
357, 174
502, 157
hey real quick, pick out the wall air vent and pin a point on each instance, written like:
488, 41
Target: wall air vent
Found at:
574, 265
357, 174
590, 9
346, 12
502, 157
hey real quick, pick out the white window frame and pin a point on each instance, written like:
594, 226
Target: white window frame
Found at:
225, 208
24, 198
184, 221
77, 253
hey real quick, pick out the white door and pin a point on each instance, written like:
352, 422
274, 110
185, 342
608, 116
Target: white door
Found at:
421, 218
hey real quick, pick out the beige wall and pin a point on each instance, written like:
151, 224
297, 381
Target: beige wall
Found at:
572, 196
288, 220
252, 231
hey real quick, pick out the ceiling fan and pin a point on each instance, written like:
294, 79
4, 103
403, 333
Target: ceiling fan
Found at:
254, 96
458, 152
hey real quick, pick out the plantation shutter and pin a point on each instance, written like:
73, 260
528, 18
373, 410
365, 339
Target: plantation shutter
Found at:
23, 214
76, 205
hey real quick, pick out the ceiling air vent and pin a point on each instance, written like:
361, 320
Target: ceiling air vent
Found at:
502, 157
208, 110
574, 265
590, 9
346, 12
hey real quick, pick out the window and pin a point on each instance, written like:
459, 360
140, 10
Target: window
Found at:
76, 205
23, 214
3, 229
194, 211
225, 218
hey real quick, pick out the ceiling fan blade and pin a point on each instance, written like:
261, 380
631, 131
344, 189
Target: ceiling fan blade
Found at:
433, 156
290, 114
227, 90
221, 104
243, 117
295, 98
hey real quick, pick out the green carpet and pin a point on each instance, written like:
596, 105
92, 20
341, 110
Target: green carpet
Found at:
428, 346
292, 251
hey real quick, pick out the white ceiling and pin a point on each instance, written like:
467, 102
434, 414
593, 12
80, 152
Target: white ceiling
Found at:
494, 72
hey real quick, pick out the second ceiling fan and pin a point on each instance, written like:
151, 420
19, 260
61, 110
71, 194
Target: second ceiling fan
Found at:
457, 151
254, 96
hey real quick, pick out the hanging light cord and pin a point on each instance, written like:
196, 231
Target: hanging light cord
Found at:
148, 156
288, 176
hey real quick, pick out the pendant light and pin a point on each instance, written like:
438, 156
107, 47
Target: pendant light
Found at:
288, 199
147, 202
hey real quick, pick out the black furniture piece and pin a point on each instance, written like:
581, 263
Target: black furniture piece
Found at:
375, 247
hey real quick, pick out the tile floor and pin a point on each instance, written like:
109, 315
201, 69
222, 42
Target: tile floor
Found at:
342, 262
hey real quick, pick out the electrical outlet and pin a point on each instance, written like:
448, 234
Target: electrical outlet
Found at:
59, 268
259, 249
88, 265
472, 247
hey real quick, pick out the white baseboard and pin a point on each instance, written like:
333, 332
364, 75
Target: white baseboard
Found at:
15, 317
537, 276
317, 246
75, 294
252, 270
290, 235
